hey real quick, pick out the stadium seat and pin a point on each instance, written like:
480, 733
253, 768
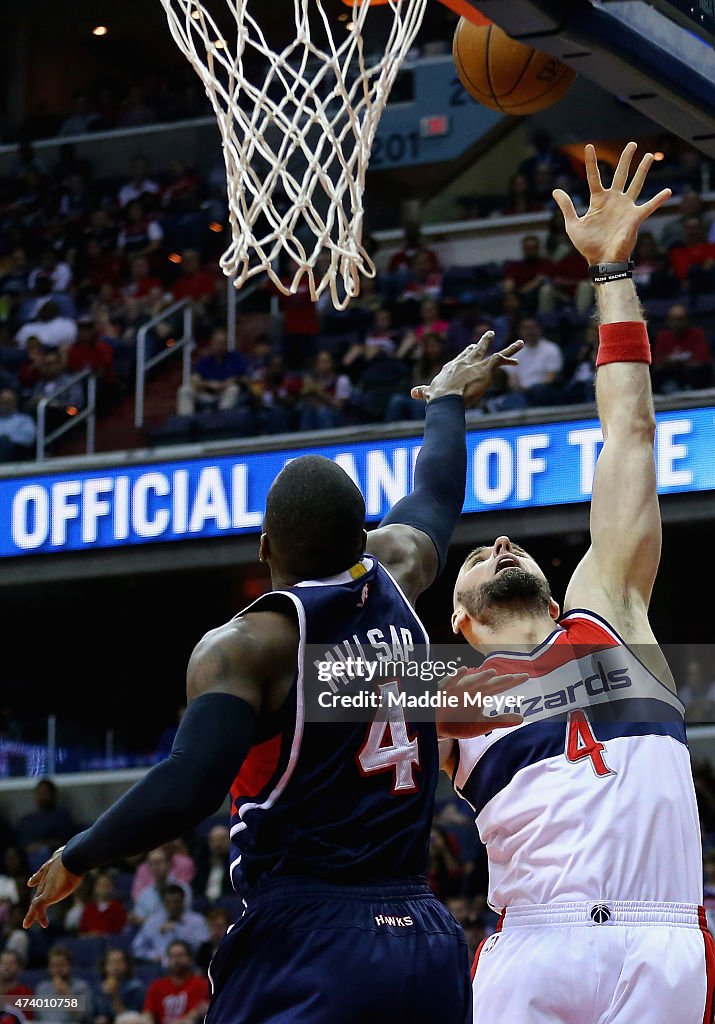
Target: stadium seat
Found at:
147, 972
174, 430
86, 950
226, 424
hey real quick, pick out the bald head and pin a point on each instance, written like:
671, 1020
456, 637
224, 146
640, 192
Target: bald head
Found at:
314, 524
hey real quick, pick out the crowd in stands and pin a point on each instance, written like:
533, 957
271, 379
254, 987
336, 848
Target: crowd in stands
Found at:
134, 942
85, 263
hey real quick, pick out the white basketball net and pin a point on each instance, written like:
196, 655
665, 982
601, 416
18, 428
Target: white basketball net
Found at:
297, 143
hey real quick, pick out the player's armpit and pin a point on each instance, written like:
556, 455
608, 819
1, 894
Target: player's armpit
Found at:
408, 554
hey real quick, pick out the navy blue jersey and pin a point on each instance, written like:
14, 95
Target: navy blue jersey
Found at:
343, 801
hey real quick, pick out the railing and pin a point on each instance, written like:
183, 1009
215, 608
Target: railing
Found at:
184, 344
89, 413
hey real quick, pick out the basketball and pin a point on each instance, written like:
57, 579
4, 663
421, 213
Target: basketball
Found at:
506, 75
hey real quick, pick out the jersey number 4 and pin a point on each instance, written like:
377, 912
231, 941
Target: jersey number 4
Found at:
400, 754
581, 744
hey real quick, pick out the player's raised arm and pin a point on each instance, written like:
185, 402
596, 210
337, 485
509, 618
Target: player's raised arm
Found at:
616, 576
225, 686
413, 538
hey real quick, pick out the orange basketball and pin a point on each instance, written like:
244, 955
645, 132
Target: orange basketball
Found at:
506, 75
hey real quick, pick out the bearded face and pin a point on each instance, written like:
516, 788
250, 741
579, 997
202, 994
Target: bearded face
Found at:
513, 590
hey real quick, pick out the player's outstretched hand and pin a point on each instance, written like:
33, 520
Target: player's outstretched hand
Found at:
53, 883
475, 716
608, 231
470, 373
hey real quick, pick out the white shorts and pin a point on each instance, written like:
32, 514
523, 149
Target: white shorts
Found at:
597, 963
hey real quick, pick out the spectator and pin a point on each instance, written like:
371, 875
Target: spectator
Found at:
651, 268
104, 914
82, 120
80, 898
430, 358
195, 283
520, 198
690, 206
141, 234
50, 825
57, 271
569, 285
14, 281
139, 185
160, 873
500, 397
11, 968
278, 392
581, 384
40, 295
141, 280
65, 395
26, 160
218, 919
120, 996
431, 321
682, 359
506, 324
61, 982
381, 336
300, 320
325, 395
17, 429
545, 156
216, 379
401, 262
527, 275
423, 281
540, 364
15, 873
183, 995
173, 921
14, 937
212, 880
693, 262
51, 329
382, 375
90, 352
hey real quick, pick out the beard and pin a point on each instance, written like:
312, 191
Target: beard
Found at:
512, 591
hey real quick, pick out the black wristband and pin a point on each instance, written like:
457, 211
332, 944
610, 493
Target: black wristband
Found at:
601, 273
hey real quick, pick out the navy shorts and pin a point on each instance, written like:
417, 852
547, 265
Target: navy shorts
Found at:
308, 952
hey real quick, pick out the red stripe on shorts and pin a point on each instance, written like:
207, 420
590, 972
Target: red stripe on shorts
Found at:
709, 1014
481, 944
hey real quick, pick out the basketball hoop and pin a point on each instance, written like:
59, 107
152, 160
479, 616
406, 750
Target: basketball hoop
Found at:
296, 135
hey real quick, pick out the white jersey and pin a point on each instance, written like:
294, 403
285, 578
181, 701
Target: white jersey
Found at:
592, 796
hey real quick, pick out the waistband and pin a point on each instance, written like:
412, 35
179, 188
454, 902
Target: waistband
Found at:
604, 912
380, 888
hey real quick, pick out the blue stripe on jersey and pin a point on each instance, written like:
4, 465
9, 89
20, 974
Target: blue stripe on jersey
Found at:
541, 740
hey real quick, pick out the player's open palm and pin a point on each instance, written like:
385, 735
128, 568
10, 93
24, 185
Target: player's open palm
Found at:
470, 373
53, 883
608, 231
471, 703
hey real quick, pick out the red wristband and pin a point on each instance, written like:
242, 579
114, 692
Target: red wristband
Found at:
623, 343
